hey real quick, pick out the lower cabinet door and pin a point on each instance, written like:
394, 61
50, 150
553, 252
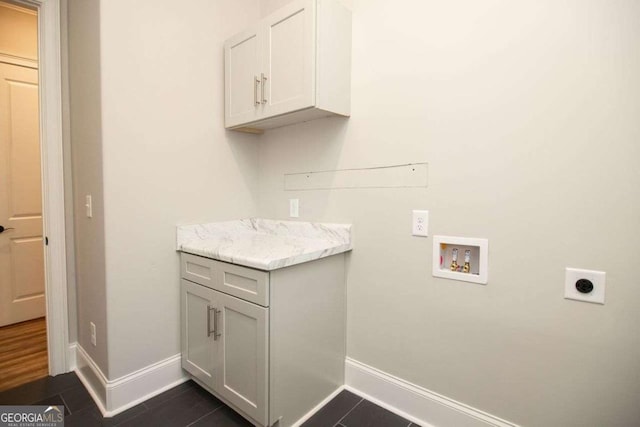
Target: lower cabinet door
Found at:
198, 351
242, 355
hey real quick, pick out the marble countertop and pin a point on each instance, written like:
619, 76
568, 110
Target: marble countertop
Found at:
264, 244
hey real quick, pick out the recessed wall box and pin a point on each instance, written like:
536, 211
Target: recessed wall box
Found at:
461, 258
584, 285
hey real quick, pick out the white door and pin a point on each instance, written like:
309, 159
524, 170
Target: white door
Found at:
242, 78
242, 355
289, 58
197, 331
21, 248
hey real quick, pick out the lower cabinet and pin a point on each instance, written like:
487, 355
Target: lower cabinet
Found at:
197, 340
225, 347
271, 345
242, 355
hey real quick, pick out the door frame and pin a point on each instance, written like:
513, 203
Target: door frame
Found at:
53, 194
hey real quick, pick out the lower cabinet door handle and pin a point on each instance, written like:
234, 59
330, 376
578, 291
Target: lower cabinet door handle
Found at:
209, 331
216, 334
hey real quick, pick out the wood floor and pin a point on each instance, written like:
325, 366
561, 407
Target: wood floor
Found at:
23, 353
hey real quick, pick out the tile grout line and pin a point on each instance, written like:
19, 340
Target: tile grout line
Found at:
66, 405
25, 388
146, 409
126, 420
149, 408
205, 415
350, 410
71, 387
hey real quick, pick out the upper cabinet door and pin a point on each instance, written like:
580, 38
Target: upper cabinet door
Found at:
300, 71
288, 58
242, 78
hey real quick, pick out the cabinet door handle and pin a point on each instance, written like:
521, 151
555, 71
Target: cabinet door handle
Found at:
209, 331
264, 83
256, 82
216, 334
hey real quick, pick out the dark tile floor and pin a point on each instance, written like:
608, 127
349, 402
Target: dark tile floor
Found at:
185, 405
350, 410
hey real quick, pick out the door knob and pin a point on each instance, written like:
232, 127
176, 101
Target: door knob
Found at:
2, 229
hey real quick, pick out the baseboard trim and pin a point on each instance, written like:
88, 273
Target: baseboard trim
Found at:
415, 403
115, 396
92, 378
319, 406
71, 357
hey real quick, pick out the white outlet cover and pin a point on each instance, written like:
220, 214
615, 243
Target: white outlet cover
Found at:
89, 206
93, 333
572, 275
420, 223
294, 208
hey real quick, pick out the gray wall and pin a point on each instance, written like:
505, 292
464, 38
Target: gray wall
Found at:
527, 113
85, 101
149, 144
72, 303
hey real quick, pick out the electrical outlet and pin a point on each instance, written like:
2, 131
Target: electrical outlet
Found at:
88, 205
93, 333
420, 223
294, 208
584, 285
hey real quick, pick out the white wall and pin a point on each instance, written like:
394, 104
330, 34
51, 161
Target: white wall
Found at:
167, 159
527, 113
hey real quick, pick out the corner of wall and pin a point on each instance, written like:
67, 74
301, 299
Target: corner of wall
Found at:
84, 132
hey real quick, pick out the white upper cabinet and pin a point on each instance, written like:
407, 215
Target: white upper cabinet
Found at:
289, 59
242, 66
293, 66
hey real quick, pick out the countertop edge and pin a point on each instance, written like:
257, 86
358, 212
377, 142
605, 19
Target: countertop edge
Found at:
273, 264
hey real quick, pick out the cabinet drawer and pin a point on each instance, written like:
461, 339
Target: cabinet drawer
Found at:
242, 282
198, 269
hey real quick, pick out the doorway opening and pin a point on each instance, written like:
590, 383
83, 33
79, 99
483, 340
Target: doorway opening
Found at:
23, 335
